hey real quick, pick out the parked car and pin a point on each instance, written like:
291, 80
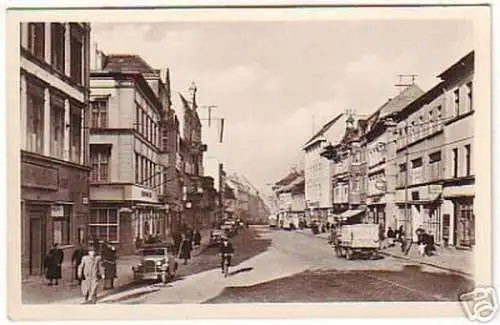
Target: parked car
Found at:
215, 237
357, 239
157, 262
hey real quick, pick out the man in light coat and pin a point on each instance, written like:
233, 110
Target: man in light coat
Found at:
90, 271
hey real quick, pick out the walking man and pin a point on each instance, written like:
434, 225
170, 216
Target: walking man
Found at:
76, 260
90, 271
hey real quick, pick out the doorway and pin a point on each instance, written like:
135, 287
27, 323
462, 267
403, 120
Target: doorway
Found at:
37, 240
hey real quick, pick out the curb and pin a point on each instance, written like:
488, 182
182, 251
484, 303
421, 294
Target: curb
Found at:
469, 275
128, 295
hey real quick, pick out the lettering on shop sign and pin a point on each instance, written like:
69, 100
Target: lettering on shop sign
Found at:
146, 194
39, 177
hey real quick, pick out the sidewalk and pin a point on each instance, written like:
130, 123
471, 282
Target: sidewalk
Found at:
449, 259
36, 291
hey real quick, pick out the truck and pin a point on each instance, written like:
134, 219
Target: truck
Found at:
290, 222
356, 240
273, 221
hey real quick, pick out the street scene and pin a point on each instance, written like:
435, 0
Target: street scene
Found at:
230, 162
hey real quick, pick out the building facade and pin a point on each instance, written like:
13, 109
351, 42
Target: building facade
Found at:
54, 87
125, 153
458, 218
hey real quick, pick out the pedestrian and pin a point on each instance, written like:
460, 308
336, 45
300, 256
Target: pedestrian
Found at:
53, 262
197, 239
109, 264
90, 271
185, 249
177, 237
391, 236
76, 259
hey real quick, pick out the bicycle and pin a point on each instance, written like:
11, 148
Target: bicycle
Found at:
226, 262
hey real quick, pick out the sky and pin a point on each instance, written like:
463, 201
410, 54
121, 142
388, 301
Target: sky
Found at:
275, 83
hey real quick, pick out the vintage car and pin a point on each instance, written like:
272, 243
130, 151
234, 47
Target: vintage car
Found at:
157, 262
215, 237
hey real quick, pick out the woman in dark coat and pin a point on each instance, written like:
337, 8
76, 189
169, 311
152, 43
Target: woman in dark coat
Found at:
185, 249
197, 238
109, 263
53, 262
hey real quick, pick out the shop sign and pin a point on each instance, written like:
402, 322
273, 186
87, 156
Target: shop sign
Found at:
39, 177
435, 189
146, 194
380, 185
57, 211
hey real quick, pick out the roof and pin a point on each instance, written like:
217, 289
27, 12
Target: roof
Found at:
127, 63
297, 184
322, 131
464, 63
288, 178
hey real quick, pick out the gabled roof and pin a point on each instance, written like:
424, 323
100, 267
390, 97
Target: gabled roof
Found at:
127, 63
288, 178
322, 131
296, 185
467, 62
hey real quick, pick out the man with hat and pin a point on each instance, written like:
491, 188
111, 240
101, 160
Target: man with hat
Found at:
226, 250
90, 272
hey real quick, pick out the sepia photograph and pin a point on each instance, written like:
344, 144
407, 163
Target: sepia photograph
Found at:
211, 158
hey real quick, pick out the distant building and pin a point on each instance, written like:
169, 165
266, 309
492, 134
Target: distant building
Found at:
318, 171
54, 87
290, 194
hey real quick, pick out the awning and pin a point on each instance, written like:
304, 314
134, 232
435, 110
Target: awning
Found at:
351, 213
457, 191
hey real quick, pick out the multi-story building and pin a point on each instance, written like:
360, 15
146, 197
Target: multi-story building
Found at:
291, 198
54, 86
433, 144
458, 218
191, 154
125, 151
318, 171
381, 171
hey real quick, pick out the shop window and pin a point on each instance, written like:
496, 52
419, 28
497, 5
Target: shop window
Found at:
35, 115
100, 113
61, 227
36, 39
56, 126
57, 50
466, 223
104, 224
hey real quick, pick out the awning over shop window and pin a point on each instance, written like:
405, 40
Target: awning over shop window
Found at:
351, 213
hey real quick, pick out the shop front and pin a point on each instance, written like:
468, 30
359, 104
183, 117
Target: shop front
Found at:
52, 211
461, 221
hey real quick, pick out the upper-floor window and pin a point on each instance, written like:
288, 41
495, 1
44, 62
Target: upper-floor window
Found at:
435, 166
100, 113
99, 158
456, 101
57, 125
76, 45
455, 162
468, 169
57, 45
36, 39
35, 110
75, 121
469, 97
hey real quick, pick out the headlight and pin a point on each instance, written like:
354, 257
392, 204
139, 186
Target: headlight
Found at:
158, 263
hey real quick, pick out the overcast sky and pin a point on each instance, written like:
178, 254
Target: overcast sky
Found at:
270, 78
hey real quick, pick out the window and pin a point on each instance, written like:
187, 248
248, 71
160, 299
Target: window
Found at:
417, 171
466, 223
57, 50
76, 54
75, 122
469, 96
455, 163
103, 224
36, 39
100, 113
61, 227
56, 126
35, 116
435, 166
456, 101
137, 118
467, 160
99, 157
402, 175
137, 168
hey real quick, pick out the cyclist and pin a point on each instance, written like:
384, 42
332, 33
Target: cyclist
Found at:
226, 250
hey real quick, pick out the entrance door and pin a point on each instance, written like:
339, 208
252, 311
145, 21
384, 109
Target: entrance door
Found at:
37, 247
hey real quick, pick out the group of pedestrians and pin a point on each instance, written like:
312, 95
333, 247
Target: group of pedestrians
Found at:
185, 242
90, 266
